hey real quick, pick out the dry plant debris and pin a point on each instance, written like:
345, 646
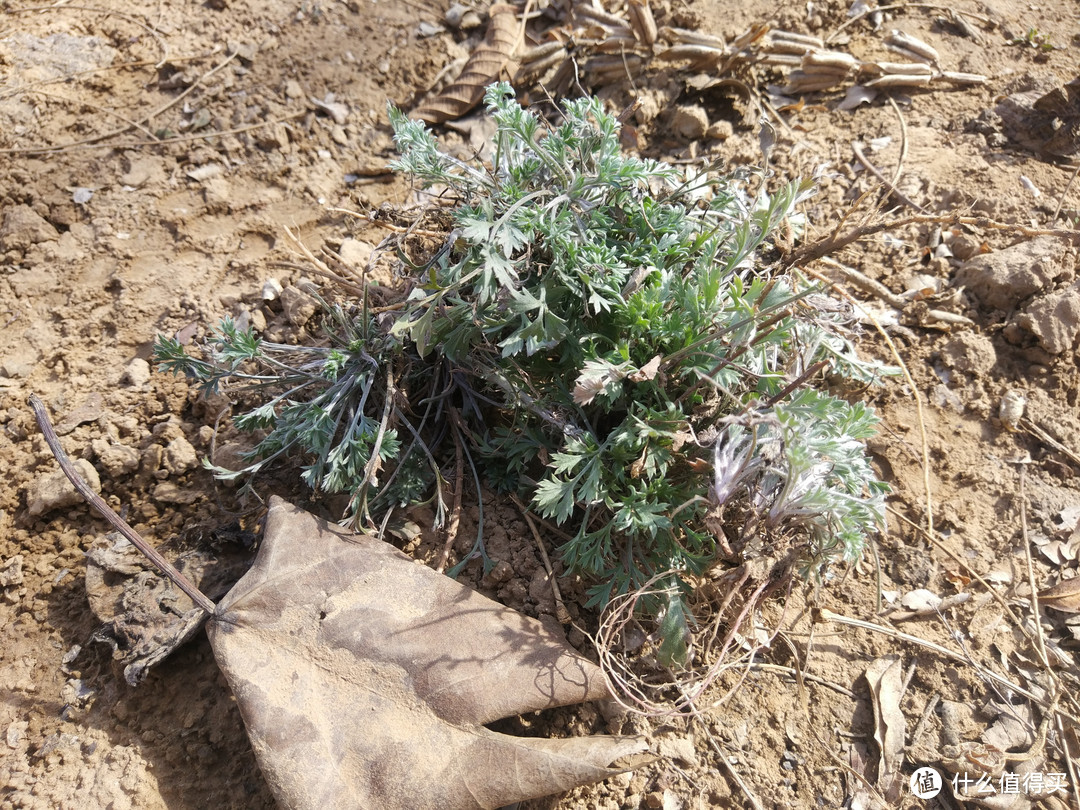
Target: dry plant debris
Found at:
592, 48
365, 679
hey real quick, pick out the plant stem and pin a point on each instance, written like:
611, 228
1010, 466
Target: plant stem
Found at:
96, 501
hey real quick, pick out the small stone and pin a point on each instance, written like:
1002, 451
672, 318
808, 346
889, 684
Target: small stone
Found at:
258, 320
11, 572
142, 170
299, 307
1011, 409
90, 410
245, 50
293, 89
16, 730
720, 130
136, 374
1005, 278
151, 459
24, 227
180, 456
54, 490
1055, 320
970, 353
271, 289
337, 134
689, 123
679, 748
502, 572
963, 247
168, 492
117, 460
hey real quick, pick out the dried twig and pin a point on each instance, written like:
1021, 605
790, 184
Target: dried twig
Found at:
103, 509
320, 268
1040, 434
213, 133
1040, 639
1061, 200
724, 759
889, 185
833, 242
952, 655
806, 676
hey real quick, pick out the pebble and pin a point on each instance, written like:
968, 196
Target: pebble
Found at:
180, 456
1004, 278
136, 374
720, 130
90, 410
689, 122
299, 307
24, 227
271, 289
141, 170
680, 748
970, 353
117, 460
11, 572
1011, 409
151, 459
258, 320
355, 253
168, 492
54, 491
1055, 320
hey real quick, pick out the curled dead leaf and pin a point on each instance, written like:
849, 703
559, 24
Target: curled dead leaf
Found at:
486, 65
642, 21
885, 677
647, 371
1064, 597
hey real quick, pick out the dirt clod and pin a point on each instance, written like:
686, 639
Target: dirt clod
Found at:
23, 227
54, 491
1005, 278
1054, 320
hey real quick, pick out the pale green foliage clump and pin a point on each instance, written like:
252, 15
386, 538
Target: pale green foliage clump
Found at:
615, 351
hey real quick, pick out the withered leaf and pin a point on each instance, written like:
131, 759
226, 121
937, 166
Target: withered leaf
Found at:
1065, 596
648, 371
596, 376
144, 618
365, 678
885, 676
486, 65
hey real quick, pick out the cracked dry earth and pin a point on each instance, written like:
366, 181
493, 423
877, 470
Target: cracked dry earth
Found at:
152, 156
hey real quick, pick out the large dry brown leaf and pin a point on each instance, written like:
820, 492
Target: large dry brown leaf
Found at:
885, 676
365, 679
486, 65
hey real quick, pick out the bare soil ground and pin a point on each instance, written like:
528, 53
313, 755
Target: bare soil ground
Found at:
151, 157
